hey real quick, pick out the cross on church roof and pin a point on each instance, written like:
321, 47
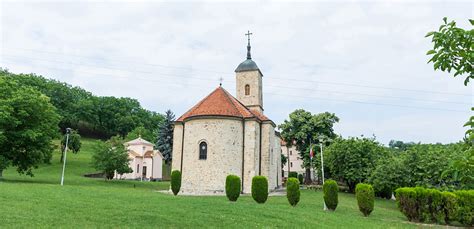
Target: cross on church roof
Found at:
248, 45
220, 81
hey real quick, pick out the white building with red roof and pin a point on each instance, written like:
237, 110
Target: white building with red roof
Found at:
145, 161
223, 135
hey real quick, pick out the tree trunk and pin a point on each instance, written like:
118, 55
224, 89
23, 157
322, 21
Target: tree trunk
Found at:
62, 157
307, 179
1, 174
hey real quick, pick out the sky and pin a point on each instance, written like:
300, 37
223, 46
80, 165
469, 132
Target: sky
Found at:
362, 60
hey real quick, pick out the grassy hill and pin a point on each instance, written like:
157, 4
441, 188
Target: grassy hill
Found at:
85, 202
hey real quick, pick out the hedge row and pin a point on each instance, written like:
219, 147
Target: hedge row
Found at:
430, 205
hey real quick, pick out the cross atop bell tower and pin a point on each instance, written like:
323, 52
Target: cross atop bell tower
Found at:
249, 57
249, 81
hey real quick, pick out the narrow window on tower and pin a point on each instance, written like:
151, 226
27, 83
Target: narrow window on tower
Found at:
202, 151
247, 89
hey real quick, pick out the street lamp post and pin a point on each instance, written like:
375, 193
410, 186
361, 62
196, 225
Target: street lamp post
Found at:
68, 131
322, 166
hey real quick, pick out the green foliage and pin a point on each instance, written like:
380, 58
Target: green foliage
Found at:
142, 132
301, 178
293, 174
430, 205
365, 198
284, 160
330, 190
260, 189
388, 176
354, 159
293, 191
450, 206
232, 187
93, 116
28, 123
74, 143
452, 49
175, 181
303, 128
110, 157
164, 142
465, 200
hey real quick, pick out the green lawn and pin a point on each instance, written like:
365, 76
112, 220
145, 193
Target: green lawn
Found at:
85, 202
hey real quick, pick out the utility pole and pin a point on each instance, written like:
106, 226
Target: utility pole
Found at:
68, 131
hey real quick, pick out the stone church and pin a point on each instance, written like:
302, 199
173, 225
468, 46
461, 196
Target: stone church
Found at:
223, 135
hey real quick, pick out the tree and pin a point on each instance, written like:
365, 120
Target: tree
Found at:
164, 143
284, 160
140, 132
353, 160
28, 123
452, 49
110, 157
400, 145
74, 143
304, 128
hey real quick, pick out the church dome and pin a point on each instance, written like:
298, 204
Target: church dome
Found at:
247, 65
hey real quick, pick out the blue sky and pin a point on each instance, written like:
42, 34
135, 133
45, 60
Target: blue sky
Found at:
364, 61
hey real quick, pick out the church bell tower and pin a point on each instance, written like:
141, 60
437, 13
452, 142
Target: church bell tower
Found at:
249, 82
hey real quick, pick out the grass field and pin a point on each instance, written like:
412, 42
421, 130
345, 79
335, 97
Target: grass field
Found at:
85, 202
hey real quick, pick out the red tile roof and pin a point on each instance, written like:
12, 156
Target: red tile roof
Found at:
221, 103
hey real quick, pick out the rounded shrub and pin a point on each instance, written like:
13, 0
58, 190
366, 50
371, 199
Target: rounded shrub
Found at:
293, 174
365, 198
465, 200
300, 178
175, 181
330, 193
450, 207
232, 187
293, 191
260, 189
407, 203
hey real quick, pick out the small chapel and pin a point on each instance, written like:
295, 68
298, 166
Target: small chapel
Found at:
223, 135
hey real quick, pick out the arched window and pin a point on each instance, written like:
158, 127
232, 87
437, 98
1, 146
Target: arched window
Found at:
247, 89
202, 151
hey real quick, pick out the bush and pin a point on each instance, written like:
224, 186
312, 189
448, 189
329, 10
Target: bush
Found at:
175, 181
407, 203
450, 207
465, 200
293, 174
300, 178
232, 187
365, 198
260, 189
330, 190
293, 191
434, 199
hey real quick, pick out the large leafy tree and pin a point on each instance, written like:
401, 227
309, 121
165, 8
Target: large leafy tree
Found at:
110, 157
304, 129
164, 143
353, 160
140, 132
74, 143
28, 123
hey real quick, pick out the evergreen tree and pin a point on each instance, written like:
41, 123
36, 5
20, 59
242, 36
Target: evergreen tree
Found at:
164, 142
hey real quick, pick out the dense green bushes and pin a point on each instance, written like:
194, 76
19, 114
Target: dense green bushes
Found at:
293, 191
260, 189
365, 198
232, 187
301, 178
175, 181
330, 193
465, 201
430, 205
293, 174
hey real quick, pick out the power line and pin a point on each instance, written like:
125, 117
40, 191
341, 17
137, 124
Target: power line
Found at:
273, 77
286, 95
208, 79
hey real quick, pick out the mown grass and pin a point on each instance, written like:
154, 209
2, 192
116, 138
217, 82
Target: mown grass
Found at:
40, 202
